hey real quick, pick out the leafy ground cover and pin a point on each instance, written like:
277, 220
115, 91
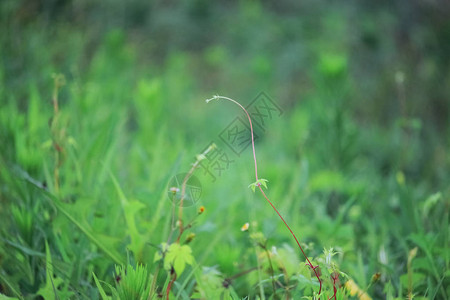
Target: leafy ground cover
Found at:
352, 135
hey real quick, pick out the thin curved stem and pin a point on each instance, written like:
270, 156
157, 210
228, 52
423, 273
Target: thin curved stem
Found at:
335, 278
258, 184
251, 127
183, 187
314, 268
169, 287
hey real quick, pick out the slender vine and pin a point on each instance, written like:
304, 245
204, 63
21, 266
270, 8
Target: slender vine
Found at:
180, 222
195, 165
57, 130
262, 182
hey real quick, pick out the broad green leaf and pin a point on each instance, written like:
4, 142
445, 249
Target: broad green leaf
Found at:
178, 256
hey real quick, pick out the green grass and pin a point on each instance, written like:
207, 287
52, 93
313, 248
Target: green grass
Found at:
84, 205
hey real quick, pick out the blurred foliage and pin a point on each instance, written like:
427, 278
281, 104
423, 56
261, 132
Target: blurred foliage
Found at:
358, 162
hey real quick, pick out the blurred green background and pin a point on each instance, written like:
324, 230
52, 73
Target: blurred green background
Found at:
359, 160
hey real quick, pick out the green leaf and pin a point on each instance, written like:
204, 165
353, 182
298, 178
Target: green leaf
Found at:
105, 243
430, 202
258, 183
159, 254
100, 288
135, 283
12, 286
177, 257
416, 278
210, 284
49, 291
130, 209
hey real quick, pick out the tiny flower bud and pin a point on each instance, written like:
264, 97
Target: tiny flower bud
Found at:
178, 224
174, 190
245, 227
274, 250
189, 238
376, 277
201, 210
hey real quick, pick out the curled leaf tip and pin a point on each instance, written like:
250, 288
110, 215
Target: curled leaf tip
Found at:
215, 97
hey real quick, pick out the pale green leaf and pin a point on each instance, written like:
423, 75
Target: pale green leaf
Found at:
177, 257
258, 183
